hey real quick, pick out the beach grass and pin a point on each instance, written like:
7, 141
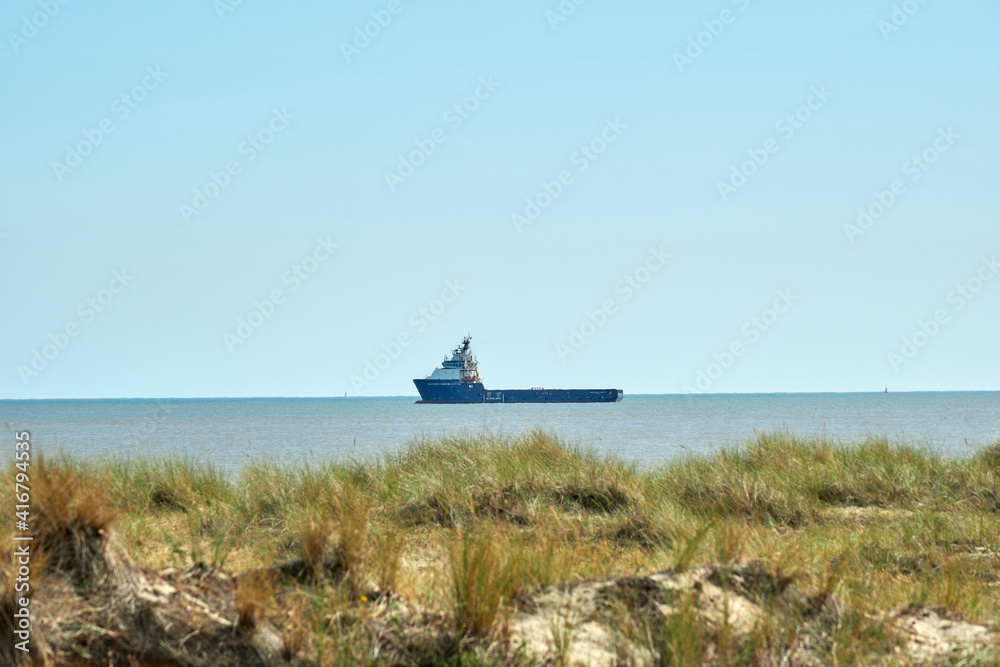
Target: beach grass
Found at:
429, 555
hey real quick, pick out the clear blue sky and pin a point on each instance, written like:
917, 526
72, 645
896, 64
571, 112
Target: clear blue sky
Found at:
116, 113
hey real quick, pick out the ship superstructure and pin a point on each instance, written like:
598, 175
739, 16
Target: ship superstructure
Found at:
462, 366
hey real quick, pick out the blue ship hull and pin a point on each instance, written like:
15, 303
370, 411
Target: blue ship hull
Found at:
455, 391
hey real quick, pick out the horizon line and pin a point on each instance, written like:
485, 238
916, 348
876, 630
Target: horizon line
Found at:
416, 396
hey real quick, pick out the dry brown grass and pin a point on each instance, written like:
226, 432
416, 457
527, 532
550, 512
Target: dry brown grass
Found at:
92, 606
254, 597
481, 577
316, 543
353, 539
71, 519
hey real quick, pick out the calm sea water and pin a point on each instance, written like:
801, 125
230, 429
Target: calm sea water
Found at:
231, 432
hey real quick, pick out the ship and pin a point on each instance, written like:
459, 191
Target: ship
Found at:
457, 381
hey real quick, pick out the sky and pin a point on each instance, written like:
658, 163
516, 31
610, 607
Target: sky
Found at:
210, 198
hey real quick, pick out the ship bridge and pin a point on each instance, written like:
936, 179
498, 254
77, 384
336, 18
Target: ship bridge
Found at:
462, 366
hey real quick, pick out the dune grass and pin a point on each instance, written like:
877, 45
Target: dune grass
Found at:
462, 528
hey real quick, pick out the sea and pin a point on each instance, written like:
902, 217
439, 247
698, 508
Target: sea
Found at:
229, 433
